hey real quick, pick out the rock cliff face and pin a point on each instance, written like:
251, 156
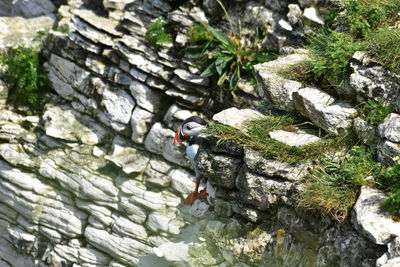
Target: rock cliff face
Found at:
96, 181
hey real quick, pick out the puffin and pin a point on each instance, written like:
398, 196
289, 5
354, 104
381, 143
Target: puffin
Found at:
188, 132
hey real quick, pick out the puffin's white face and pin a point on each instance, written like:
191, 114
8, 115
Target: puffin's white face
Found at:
192, 128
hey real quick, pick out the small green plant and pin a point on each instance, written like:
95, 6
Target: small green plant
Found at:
383, 45
330, 56
376, 111
364, 16
157, 34
333, 186
388, 178
23, 69
226, 56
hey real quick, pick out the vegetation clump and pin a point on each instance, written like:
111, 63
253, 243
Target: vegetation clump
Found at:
24, 71
376, 111
226, 55
157, 34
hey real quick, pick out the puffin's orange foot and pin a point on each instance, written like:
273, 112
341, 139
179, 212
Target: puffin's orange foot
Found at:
191, 198
203, 194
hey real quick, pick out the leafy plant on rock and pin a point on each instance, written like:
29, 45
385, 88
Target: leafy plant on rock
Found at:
157, 34
376, 111
226, 55
24, 71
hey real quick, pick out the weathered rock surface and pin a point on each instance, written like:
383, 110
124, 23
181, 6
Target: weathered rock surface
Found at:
293, 138
276, 89
390, 128
323, 110
236, 118
371, 220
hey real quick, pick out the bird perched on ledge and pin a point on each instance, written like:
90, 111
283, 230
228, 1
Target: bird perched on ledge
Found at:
189, 131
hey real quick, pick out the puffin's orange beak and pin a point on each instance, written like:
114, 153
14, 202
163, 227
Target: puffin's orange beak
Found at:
177, 139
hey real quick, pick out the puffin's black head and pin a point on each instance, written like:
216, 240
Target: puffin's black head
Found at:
192, 126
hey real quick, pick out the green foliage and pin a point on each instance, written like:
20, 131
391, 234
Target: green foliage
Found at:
384, 46
256, 137
364, 16
389, 180
376, 111
157, 34
225, 56
333, 186
25, 72
330, 55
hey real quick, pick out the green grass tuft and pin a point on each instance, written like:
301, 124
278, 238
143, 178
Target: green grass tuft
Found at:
330, 56
334, 185
383, 45
376, 111
25, 72
256, 137
157, 34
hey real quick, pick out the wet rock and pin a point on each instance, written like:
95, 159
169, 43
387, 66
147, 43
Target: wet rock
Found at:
220, 169
271, 168
323, 110
272, 86
236, 118
293, 138
371, 220
390, 128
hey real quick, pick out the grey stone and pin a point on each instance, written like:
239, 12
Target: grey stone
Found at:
92, 256
176, 115
274, 88
118, 104
182, 181
220, 169
294, 14
99, 22
124, 227
271, 168
91, 32
32, 8
366, 132
189, 77
130, 159
257, 14
390, 128
321, 108
262, 191
191, 99
375, 82
298, 138
145, 97
223, 208
126, 249
388, 152
236, 118
65, 123
16, 155
156, 138
371, 220
160, 222
141, 122
312, 14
